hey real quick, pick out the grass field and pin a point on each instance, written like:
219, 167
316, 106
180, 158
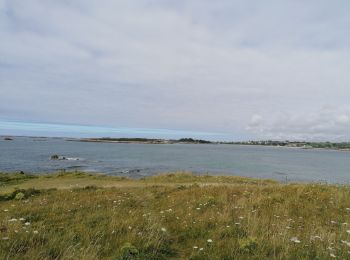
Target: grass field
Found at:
174, 216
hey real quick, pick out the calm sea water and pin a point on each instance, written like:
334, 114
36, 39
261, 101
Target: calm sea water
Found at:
136, 160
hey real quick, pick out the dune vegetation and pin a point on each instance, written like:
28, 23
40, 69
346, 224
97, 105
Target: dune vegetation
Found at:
172, 216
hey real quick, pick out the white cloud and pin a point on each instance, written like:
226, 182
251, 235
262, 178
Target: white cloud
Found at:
192, 65
327, 123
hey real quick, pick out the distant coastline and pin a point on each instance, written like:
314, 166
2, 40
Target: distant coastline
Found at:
341, 146
336, 146
144, 140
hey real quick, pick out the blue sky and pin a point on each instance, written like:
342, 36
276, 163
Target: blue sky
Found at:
65, 130
240, 69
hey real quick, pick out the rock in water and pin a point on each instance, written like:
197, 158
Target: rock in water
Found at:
55, 157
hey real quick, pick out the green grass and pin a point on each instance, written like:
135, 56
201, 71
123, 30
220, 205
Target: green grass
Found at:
14, 178
82, 216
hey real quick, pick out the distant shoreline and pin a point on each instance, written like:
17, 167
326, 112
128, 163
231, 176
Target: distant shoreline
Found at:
336, 146
143, 141
344, 146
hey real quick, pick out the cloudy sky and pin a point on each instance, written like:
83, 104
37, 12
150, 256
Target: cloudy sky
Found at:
221, 69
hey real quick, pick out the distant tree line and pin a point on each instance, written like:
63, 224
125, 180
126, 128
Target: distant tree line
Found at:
191, 140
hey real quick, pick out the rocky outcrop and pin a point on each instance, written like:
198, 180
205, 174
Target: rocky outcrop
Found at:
57, 157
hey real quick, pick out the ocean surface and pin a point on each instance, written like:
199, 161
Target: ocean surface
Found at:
138, 160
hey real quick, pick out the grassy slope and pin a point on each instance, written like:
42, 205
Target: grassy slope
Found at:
167, 216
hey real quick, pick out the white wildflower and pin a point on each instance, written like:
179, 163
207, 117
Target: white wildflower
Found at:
163, 229
315, 237
332, 255
27, 223
195, 247
295, 240
201, 249
210, 241
36, 232
345, 242
13, 220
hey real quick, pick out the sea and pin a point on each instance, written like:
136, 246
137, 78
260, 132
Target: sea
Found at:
33, 155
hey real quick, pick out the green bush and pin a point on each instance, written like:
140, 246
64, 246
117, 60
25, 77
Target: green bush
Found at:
128, 251
19, 196
248, 244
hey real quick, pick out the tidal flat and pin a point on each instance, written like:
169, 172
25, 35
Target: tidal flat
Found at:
76, 215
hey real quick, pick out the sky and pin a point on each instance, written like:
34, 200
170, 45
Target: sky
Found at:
225, 69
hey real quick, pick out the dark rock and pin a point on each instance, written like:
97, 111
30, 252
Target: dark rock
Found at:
55, 157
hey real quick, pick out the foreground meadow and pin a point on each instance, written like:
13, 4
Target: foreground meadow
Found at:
175, 216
